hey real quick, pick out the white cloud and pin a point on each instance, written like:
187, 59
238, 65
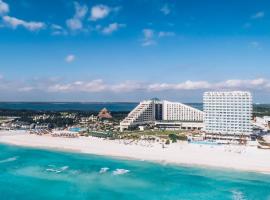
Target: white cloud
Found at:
148, 33
4, 8
79, 86
25, 89
258, 15
15, 22
58, 30
187, 85
80, 11
99, 12
127, 86
238, 83
165, 9
99, 85
70, 58
112, 28
166, 34
76, 22
148, 39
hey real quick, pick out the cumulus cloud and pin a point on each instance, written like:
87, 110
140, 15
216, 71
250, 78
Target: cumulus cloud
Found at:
99, 86
112, 28
25, 89
148, 39
187, 85
127, 86
4, 8
79, 86
249, 84
130, 86
166, 34
14, 22
58, 30
258, 15
76, 22
80, 11
99, 12
70, 58
165, 9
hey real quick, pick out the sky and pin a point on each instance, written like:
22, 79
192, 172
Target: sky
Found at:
120, 50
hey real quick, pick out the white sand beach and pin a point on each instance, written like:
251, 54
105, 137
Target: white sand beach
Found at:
225, 156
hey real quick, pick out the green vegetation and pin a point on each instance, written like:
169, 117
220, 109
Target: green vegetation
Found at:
261, 110
174, 137
153, 134
100, 134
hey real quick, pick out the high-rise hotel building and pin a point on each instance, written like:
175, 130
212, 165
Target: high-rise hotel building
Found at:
228, 113
164, 114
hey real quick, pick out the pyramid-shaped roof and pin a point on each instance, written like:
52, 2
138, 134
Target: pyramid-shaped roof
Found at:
104, 113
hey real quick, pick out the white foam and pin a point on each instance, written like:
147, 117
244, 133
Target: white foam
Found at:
103, 170
57, 171
64, 168
9, 159
120, 171
237, 195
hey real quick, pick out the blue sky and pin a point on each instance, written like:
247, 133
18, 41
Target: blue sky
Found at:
119, 50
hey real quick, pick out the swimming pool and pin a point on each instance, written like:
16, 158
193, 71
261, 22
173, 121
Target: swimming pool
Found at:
204, 142
76, 129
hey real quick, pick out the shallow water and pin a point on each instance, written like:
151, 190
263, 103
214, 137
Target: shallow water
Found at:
40, 174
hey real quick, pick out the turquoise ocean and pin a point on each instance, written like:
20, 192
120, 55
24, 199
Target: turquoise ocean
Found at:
28, 174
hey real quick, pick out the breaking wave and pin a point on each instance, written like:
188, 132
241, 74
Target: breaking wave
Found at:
11, 159
57, 170
103, 170
237, 195
120, 171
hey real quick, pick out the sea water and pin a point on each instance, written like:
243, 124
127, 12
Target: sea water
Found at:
27, 174
79, 106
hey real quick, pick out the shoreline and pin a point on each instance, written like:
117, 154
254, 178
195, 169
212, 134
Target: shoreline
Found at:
229, 157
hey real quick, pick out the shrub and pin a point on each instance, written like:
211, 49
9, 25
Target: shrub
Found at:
182, 137
173, 137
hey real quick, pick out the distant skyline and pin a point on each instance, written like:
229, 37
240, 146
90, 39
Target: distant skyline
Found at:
119, 50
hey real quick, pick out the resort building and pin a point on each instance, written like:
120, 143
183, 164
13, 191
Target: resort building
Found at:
262, 123
227, 114
104, 114
174, 111
164, 115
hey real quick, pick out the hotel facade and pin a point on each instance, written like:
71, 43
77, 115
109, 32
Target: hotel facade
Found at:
164, 115
228, 113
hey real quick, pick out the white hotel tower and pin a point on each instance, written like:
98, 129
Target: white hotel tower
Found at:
228, 113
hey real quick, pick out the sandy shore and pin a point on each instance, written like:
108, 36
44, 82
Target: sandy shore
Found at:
225, 156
